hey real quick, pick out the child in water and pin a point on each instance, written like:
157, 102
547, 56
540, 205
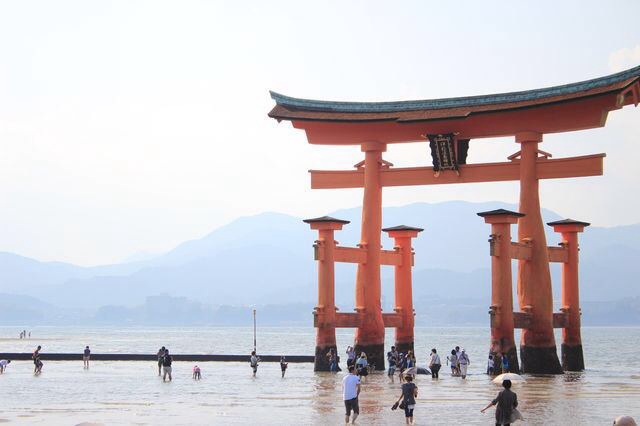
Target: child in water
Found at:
505, 363
490, 365
283, 365
196, 373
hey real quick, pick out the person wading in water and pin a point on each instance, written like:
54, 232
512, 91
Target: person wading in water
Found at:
37, 364
506, 402
253, 361
166, 365
161, 352
350, 394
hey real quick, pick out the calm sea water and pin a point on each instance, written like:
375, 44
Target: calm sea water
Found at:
131, 393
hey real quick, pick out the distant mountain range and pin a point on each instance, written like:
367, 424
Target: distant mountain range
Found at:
267, 259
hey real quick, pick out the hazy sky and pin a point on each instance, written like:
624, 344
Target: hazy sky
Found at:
131, 126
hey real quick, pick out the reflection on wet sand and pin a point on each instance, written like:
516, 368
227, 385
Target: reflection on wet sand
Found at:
130, 392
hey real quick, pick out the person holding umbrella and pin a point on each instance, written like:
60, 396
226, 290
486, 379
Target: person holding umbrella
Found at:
506, 403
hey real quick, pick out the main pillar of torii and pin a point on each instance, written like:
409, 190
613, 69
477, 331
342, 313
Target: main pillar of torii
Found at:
525, 115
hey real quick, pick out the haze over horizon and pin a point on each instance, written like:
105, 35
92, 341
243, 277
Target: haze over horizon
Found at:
131, 126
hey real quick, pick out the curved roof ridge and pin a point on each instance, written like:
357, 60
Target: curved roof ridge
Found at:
442, 103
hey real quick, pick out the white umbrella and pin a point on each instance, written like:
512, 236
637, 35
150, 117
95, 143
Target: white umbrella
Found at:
515, 378
411, 370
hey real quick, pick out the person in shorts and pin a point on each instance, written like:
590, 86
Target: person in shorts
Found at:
392, 359
166, 365
3, 365
85, 357
37, 364
408, 398
350, 394
453, 359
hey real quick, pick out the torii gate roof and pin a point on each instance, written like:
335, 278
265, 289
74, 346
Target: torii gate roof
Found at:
562, 108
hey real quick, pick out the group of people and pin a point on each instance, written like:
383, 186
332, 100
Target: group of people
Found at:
497, 364
24, 334
361, 364
459, 362
165, 361
254, 360
400, 362
164, 364
506, 401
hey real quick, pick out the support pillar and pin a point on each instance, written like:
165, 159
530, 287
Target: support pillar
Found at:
369, 337
325, 311
537, 345
403, 290
501, 310
571, 349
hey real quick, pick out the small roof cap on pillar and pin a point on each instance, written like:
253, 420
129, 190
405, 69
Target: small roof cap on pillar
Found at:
326, 219
500, 212
402, 228
568, 222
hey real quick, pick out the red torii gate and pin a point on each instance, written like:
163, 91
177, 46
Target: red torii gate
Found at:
527, 116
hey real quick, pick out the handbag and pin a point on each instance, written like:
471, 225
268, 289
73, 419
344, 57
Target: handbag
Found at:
515, 415
401, 406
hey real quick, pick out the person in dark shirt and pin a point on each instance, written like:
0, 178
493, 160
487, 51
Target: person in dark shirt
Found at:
506, 401
166, 365
392, 359
283, 365
161, 352
408, 397
37, 369
85, 357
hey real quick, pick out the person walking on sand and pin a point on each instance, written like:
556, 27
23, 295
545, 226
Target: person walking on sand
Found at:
161, 352
253, 361
3, 365
463, 363
283, 365
434, 364
506, 402
408, 397
37, 364
85, 357
166, 365
350, 394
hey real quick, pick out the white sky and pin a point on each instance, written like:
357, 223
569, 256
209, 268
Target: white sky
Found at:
131, 126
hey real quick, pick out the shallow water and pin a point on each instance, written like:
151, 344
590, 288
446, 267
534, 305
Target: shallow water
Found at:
131, 392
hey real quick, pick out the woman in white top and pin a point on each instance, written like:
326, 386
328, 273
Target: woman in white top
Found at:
434, 363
